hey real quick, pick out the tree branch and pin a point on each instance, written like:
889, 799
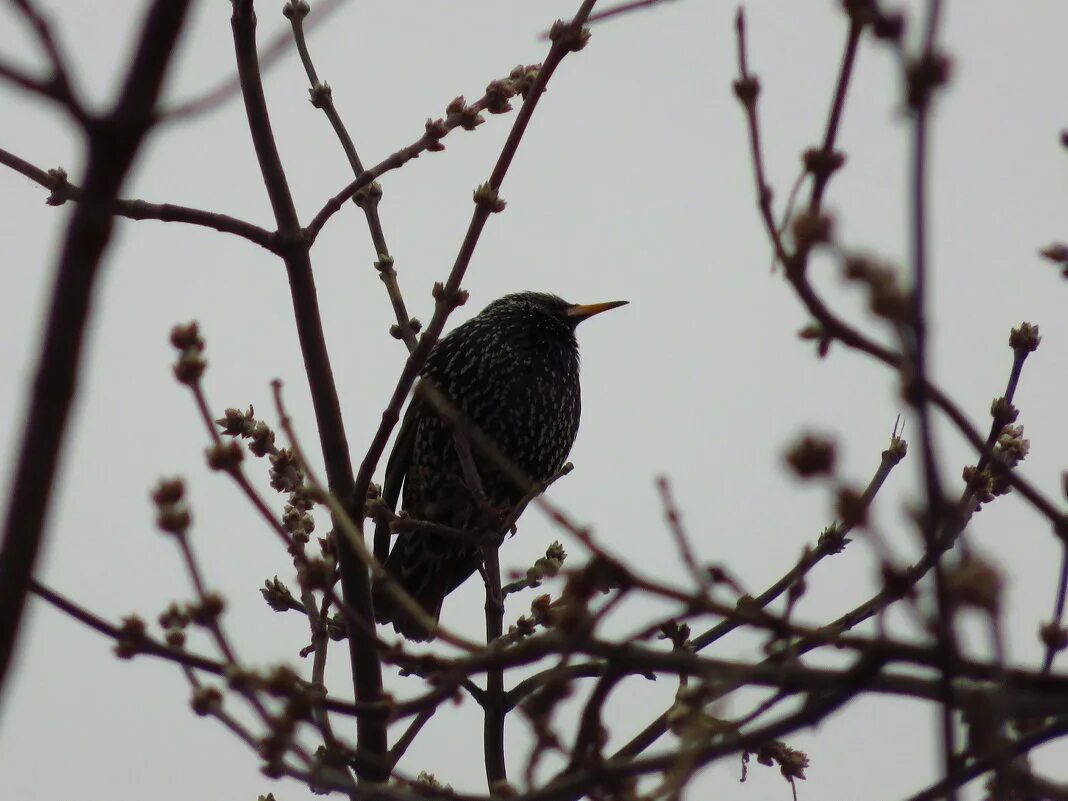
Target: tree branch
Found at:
363, 646
62, 190
114, 140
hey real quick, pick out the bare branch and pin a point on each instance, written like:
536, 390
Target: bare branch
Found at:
113, 143
363, 646
62, 190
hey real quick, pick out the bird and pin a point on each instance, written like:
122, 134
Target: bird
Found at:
512, 375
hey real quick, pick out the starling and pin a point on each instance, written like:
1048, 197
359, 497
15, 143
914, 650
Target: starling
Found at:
512, 372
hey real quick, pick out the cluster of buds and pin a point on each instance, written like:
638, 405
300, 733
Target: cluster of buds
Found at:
296, 9
414, 324
975, 582
453, 299
822, 164
297, 518
458, 114
547, 566
811, 456
286, 473
519, 82
131, 637
1054, 636
1058, 254
320, 95
792, 763
925, 74
816, 332
243, 424
172, 513
885, 25
488, 198
225, 456
430, 782
1025, 338
810, 230
367, 196
851, 506
833, 539
316, 574
543, 612
278, 596
190, 365
461, 114
522, 79
207, 610
886, 297
573, 37
174, 620
678, 634
59, 187
1010, 449
206, 701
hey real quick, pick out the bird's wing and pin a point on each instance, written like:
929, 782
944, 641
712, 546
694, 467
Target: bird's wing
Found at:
396, 469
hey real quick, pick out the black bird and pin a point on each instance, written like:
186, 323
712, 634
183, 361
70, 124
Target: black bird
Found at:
512, 372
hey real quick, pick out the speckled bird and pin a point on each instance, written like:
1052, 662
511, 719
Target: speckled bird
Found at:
513, 373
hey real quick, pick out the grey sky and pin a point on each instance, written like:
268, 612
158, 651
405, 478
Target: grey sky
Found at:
633, 182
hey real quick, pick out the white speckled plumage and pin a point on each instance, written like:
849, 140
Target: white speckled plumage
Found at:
513, 371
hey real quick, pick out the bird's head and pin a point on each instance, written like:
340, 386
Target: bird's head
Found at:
539, 305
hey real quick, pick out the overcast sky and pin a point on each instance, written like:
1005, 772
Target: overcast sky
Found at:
634, 182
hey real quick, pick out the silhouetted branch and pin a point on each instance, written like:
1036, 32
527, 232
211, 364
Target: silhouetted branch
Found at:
114, 140
363, 648
58, 86
368, 200
62, 190
269, 55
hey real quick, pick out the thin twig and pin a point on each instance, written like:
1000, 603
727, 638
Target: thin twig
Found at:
1057, 621
369, 201
747, 89
59, 86
62, 190
269, 55
920, 87
494, 707
142, 644
146, 645
829, 544
430, 141
682, 540
1057, 728
588, 740
573, 786
406, 739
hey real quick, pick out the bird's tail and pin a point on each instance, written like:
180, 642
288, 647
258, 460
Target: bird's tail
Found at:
424, 575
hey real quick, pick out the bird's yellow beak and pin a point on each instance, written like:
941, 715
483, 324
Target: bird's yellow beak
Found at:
583, 312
